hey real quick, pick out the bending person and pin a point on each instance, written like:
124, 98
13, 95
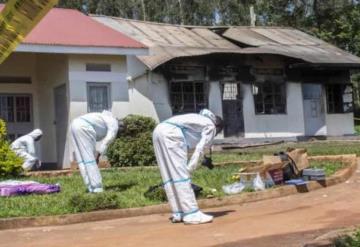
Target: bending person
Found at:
172, 140
24, 147
86, 131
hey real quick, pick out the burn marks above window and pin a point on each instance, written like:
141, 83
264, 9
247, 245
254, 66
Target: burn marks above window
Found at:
270, 98
98, 67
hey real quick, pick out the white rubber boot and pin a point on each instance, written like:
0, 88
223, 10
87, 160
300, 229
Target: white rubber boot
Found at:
176, 218
197, 218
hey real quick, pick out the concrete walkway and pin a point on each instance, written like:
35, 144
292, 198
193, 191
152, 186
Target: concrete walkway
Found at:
288, 221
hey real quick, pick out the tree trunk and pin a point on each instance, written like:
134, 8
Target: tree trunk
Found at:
143, 9
181, 13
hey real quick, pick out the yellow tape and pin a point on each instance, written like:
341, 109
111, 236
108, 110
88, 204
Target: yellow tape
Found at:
17, 19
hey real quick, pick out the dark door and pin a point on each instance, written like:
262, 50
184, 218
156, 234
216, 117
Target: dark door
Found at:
61, 122
232, 109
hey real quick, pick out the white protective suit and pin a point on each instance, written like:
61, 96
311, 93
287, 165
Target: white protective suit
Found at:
25, 148
86, 131
172, 139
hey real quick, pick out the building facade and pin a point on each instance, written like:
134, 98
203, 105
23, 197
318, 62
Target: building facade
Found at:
264, 82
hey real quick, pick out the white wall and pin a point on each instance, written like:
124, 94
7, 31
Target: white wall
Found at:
215, 102
279, 125
78, 78
51, 71
148, 91
46, 72
215, 98
22, 65
149, 96
340, 124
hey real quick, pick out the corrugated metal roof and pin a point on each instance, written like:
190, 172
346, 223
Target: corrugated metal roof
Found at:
167, 42
291, 43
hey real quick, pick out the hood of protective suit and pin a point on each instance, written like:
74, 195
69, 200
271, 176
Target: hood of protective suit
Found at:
35, 133
207, 113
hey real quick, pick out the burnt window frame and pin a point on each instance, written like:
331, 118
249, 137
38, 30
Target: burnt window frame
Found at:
333, 107
196, 106
260, 97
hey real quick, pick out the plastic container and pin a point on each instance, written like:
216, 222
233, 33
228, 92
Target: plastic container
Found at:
315, 174
234, 188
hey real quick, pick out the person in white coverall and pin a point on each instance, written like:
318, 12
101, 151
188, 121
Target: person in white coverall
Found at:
24, 147
86, 130
172, 139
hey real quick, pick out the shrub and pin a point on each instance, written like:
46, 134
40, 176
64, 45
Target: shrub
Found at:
352, 240
134, 146
156, 193
135, 125
10, 163
93, 201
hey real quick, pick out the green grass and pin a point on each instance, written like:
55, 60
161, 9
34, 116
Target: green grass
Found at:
126, 188
352, 240
330, 167
316, 148
123, 189
357, 129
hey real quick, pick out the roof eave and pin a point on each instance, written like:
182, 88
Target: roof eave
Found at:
325, 65
73, 49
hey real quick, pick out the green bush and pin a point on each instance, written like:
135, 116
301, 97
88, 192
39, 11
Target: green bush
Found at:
352, 240
93, 201
10, 163
135, 125
156, 193
134, 145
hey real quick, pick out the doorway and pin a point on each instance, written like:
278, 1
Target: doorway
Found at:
232, 109
61, 122
314, 112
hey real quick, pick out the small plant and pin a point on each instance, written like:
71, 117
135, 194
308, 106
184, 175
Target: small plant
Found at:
134, 146
156, 193
210, 193
330, 167
10, 163
90, 202
348, 240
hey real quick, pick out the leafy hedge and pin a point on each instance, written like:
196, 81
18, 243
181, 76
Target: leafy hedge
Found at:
134, 146
10, 163
352, 240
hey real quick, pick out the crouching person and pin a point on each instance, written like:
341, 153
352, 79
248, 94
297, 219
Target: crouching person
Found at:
24, 147
172, 140
86, 130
